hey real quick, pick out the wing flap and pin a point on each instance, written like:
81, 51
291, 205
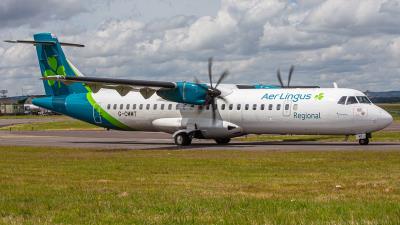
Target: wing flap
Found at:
122, 86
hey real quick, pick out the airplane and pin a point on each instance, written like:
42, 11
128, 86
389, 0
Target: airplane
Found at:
196, 110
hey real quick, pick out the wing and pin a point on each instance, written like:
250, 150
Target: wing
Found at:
122, 86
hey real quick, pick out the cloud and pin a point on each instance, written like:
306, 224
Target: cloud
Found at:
14, 13
357, 17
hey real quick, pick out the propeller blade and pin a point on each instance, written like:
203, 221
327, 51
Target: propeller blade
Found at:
210, 63
222, 77
278, 74
290, 75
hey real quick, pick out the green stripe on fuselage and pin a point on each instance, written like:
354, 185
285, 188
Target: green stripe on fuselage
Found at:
105, 114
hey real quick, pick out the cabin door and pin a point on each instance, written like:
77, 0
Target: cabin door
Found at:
97, 113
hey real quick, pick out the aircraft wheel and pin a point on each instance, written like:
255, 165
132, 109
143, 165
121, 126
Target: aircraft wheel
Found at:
222, 141
182, 139
364, 141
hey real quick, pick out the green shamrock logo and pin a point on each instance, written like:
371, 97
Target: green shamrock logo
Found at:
54, 69
319, 96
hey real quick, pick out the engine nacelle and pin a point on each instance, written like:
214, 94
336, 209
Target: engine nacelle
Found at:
185, 92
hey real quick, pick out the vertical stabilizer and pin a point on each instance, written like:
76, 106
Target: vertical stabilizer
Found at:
52, 61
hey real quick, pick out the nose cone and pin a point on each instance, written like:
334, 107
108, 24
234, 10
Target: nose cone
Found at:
385, 119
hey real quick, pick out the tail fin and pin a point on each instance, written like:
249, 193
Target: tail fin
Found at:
52, 61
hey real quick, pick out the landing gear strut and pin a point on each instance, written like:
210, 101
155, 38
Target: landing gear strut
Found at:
222, 141
183, 139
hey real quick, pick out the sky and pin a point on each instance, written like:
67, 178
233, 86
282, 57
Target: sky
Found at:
354, 43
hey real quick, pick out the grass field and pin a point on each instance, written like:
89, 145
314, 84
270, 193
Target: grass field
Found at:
62, 123
381, 136
77, 186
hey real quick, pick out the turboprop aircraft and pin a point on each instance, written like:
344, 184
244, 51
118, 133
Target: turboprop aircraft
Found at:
199, 110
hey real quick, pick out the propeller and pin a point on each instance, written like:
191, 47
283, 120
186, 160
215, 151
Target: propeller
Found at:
212, 91
278, 74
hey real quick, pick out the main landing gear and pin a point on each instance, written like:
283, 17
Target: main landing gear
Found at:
363, 139
185, 139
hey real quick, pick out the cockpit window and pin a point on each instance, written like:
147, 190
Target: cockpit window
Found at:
351, 100
342, 100
363, 100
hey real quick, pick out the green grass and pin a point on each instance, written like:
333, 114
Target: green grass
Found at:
381, 136
65, 124
393, 109
78, 186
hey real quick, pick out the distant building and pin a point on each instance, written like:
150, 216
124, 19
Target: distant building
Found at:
19, 105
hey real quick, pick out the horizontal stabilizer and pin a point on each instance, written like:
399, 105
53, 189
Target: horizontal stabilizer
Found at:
44, 43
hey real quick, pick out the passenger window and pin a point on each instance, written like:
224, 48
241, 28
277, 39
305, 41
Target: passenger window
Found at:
351, 100
121, 106
134, 106
230, 106
141, 106
246, 107
286, 106
170, 107
278, 107
270, 107
254, 106
162, 106
128, 106
238, 106
262, 107
223, 107
363, 100
148, 106
115, 106
109, 106
155, 107
207, 107
177, 106
342, 100
295, 106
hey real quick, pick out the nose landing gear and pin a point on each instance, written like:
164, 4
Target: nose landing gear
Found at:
363, 139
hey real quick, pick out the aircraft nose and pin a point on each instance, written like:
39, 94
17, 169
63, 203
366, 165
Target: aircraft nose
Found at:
385, 119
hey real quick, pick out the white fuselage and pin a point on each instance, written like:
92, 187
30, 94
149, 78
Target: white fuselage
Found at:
250, 111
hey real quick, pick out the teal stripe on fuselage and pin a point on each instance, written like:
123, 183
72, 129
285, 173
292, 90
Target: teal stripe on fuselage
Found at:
74, 105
